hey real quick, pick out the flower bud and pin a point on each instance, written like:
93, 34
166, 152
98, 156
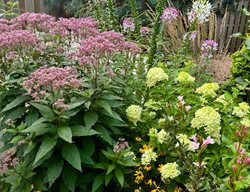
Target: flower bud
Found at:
234, 168
238, 161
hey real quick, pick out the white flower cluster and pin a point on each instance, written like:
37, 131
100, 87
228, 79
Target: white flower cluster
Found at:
200, 12
148, 156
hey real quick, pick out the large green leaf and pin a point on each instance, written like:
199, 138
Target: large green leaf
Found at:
120, 176
99, 180
69, 178
44, 110
81, 131
105, 105
65, 133
90, 119
54, 170
71, 154
19, 100
47, 145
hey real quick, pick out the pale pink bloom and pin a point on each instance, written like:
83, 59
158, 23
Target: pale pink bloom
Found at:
187, 108
202, 165
193, 35
180, 98
193, 137
207, 141
169, 14
144, 30
196, 145
128, 24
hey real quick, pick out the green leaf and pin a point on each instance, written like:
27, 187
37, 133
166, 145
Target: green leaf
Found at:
38, 129
44, 110
90, 119
111, 168
99, 180
104, 104
246, 12
65, 133
71, 154
81, 131
47, 145
110, 156
120, 176
15, 102
108, 179
105, 134
15, 114
54, 170
70, 178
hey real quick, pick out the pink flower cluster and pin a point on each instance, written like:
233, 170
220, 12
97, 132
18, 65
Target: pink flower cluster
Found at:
60, 105
103, 45
79, 27
120, 145
5, 25
169, 14
208, 47
128, 24
50, 80
17, 39
7, 160
204, 143
38, 21
144, 30
182, 103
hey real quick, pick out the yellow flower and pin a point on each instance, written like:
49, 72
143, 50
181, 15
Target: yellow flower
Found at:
147, 167
154, 75
145, 148
137, 190
138, 139
178, 189
184, 77
149, 182
139, 175
208, 89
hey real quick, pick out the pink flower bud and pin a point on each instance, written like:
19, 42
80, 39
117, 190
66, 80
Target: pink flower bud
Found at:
235, 145
238, 161
247, 161
245, 131
187, 108
234, 168
237, 133
240, 177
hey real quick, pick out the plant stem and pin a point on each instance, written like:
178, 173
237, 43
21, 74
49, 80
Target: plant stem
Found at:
135, 14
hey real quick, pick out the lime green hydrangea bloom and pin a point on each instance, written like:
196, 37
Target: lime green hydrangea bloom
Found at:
169, 171
209, 119
154, 75
208, 89
242, 110
134, 113
245, 121
221, 99
151, 104
162, 136
184, 140
148, 156
184, 77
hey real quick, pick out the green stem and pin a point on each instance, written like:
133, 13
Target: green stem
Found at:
113, 16
135, 14
156, 31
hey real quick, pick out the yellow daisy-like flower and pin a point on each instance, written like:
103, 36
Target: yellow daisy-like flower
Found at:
145, 148
138, 139
147, 167
137, 190
149, 182
139, 175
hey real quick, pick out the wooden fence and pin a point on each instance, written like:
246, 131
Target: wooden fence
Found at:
221, 31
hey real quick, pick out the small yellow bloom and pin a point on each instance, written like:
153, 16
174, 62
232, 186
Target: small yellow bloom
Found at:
149, 182
145, 148
137, 190
138, 139
139, 175
147, 167
178, 189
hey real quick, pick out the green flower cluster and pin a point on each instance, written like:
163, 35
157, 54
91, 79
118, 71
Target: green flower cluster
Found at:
209, 119
134, 113
208, 89
242, 110
154, 75
183, 139
185, 78
162, 136
169, 171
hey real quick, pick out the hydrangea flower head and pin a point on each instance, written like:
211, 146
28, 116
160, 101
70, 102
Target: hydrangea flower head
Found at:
242, 110
184, 140
169, 14
169, 171
184, 77
208, 89
155, 75
209, 119
148, 156
134, 113
200, 12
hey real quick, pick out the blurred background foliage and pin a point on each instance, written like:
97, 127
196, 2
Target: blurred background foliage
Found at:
68, 8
